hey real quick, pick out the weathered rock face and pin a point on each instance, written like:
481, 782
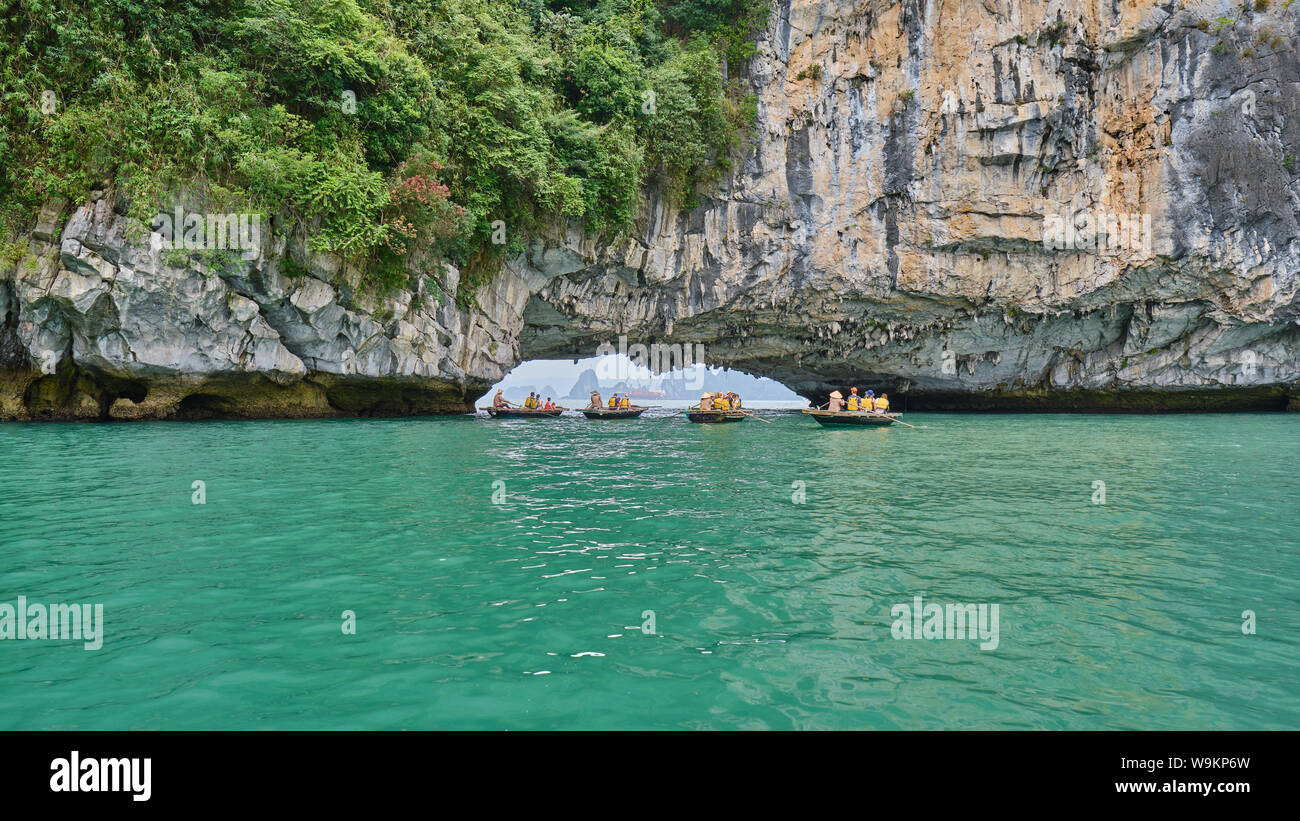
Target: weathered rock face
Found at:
99, 323
888, 226
916, 212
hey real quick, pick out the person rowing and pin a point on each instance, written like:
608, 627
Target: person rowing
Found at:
595, 399
837, 402
500, 401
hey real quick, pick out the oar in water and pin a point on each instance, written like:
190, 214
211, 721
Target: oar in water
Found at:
759, 418
899, 421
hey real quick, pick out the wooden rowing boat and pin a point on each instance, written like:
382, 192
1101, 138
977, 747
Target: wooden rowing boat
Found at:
863, 418
613, 413
714, 416
523, 413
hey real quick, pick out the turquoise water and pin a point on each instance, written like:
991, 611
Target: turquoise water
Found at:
768, 612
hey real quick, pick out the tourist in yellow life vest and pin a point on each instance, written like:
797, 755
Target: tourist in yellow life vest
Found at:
882, 404
720, 403
869, 401
613, 402
854, 402
625, 403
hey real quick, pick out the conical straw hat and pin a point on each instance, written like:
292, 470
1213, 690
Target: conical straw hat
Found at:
837, 395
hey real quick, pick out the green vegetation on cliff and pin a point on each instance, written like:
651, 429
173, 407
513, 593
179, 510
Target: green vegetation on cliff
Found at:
385, 125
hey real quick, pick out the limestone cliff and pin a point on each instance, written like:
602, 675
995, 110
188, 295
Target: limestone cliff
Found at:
896, 222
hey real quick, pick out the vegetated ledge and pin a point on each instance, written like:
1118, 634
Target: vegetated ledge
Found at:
1081, 400
83, 395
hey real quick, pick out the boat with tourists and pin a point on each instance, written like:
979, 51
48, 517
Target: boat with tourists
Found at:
867, 410
694, 414
864, 418
716, 408
616, 413
533, 408
617, 408
524, 413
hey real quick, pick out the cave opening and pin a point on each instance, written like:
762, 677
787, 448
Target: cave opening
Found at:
569, 382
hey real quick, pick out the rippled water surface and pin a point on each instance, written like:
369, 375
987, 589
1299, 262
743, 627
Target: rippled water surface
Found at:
768, 612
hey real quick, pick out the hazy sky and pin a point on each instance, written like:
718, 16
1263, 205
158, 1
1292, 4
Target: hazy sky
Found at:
562, 373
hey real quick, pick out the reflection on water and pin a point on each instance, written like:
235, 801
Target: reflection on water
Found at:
768, 611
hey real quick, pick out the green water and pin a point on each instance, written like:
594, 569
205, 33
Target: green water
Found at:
768, 613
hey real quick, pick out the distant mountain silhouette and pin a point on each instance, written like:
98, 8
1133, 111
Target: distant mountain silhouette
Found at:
680, 385
587, 382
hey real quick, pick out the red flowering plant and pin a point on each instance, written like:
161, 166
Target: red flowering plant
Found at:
417, 221
420, 212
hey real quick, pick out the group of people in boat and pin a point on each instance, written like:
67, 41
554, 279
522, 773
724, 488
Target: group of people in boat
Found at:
720, 401
868, 402
533, 402
616, 402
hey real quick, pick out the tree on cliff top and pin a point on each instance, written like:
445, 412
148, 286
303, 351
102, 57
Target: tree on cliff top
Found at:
380, 124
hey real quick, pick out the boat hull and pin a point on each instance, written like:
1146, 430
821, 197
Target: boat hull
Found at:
716, 416
617, 413
866, 419
523, 413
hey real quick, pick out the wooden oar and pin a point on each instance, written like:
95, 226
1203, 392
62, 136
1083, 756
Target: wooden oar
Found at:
899, 421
